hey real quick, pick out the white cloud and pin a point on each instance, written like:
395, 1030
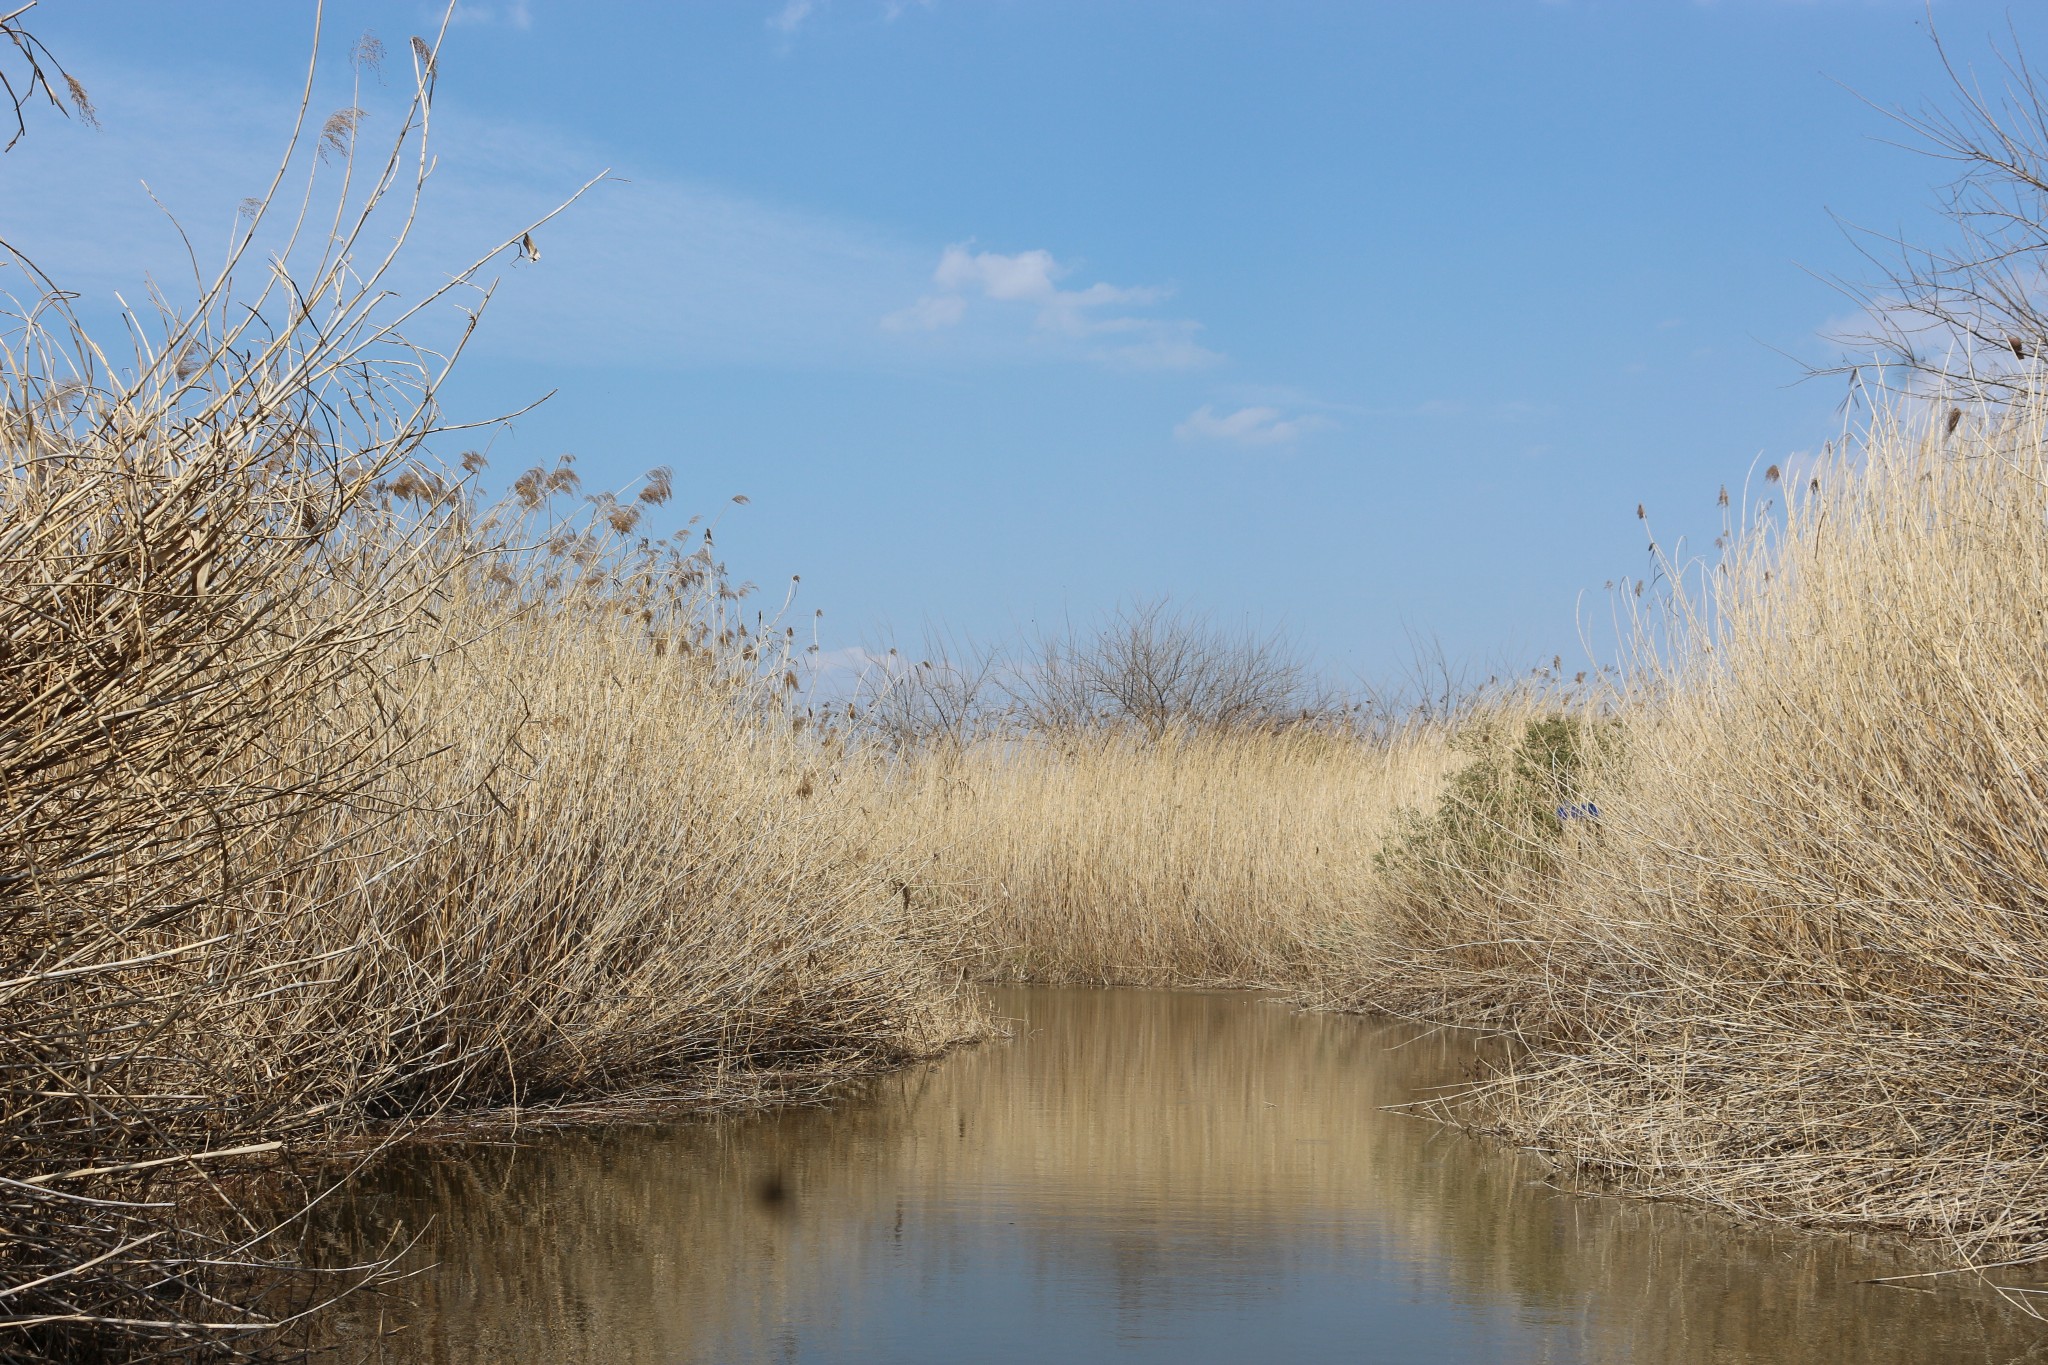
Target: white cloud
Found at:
850, 664
1161, 351
1026, 275
650, 271
1255, 426
928, 314
1032, 278
791, 16
796, 13
837, 676
1874, 335
515, 14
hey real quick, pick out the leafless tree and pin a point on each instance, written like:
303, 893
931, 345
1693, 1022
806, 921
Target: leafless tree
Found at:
952, 692
1153, 668
1966, 319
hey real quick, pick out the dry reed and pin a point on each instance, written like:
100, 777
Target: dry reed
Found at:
332, 803
1792, 968
1217, 857
1795, 971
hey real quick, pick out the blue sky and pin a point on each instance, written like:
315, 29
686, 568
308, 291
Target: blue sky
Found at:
1372, 321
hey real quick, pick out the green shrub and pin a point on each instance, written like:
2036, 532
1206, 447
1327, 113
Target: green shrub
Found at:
1500, 814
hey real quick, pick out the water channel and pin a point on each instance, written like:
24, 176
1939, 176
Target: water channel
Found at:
1132, 1176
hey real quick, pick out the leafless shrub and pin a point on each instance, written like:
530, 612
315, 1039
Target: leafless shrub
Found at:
1154, 668
952, 691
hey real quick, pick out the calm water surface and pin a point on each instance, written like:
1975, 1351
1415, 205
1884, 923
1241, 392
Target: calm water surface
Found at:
1134, 1176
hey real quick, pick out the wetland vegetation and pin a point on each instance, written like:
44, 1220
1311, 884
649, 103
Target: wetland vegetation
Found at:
342, 805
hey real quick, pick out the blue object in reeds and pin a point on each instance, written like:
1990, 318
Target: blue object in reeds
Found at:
1584, 810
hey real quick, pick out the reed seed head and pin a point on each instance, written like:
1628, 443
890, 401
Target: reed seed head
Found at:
660, 486
81, 103
368, 53
338, 133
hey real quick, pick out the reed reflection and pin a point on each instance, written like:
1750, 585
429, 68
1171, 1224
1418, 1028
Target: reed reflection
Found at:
1133, 1175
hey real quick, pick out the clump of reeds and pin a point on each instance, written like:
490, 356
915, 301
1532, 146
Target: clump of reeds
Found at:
1795, 969
608, 877
1160, 800
195, 592
332, 801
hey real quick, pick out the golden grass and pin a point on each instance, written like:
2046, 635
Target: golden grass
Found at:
332, 803
1797, 972
606, 881
1212, 857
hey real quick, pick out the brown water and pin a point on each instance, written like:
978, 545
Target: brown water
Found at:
1134, 1176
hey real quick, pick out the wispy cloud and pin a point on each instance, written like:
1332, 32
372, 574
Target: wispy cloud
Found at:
1253, 426
844, 669
928, 314
661, 272
791, 16
656, 273
513, 14
1030, 280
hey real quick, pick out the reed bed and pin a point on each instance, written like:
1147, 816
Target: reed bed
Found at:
1201, 856
457, 821
1795, 970
1764, 920
334, 803
612, 877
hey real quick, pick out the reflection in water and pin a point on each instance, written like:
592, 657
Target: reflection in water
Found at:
1136, 1175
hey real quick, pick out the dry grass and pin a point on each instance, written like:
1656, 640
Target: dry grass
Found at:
1797, 973
1212, 857
332, 805
390, 819
608, 878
